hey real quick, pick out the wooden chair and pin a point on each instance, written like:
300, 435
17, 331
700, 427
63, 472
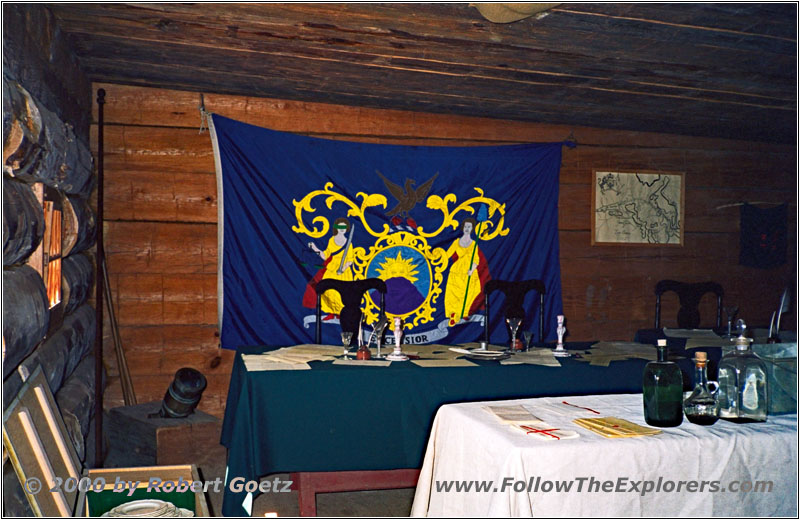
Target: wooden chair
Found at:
689, 295
515, 296
351, 293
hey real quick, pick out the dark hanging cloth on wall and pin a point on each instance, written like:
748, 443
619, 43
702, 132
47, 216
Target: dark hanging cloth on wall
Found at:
763, 236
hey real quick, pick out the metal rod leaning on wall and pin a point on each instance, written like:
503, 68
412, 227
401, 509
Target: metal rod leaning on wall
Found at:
128, 394
98, 302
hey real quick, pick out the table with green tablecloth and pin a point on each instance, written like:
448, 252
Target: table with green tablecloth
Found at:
343, 417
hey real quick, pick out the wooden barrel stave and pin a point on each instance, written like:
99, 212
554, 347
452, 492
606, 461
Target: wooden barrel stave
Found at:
22, 130
40, 147
66, 164
80, 226
23, 221
26, 314
78, 275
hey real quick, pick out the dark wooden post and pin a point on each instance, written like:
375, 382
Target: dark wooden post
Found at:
98, 303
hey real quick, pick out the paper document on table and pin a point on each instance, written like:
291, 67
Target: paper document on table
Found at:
534, 356
613, 427
521, 419
314, 350
259, 363
430, 351
512, 414
434, 363
300, 354
475, 344
564, 408
689, 333
603, 353
707, 342
363, 362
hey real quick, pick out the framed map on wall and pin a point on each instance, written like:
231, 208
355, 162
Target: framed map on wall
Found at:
637, 207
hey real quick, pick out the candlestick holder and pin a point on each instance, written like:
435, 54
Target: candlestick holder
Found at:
397, 354
560, 351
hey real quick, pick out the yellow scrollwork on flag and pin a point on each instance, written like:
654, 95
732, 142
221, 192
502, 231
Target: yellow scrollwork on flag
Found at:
404, 259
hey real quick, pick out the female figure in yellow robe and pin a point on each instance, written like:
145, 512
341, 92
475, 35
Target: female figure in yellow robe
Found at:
331, 301
463, 280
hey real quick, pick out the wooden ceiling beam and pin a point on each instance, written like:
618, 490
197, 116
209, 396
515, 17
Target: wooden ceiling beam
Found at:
249, 60
699, 69
449, 97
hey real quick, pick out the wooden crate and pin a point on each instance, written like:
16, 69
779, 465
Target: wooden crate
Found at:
103, 496
136, 439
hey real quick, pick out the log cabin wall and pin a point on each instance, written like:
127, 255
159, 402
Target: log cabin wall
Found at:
161, 220
46, 115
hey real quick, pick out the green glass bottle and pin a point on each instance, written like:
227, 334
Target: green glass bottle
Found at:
662, 390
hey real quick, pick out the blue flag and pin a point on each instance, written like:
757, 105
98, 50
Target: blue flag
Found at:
434, 223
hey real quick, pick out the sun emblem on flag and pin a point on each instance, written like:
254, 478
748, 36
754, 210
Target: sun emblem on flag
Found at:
412, 272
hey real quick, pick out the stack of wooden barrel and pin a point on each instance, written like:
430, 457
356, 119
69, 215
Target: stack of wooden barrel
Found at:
40, 148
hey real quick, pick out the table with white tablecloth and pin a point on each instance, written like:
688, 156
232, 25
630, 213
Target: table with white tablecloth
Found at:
752, 466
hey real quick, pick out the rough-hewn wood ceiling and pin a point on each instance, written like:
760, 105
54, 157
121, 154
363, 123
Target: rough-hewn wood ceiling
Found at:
721, 70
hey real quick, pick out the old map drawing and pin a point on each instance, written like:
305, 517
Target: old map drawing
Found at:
638, 208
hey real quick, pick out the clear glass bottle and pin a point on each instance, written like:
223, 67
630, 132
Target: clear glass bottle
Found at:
662, 390
742, 384
702, 406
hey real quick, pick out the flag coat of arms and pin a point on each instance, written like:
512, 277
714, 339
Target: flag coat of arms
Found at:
435, 223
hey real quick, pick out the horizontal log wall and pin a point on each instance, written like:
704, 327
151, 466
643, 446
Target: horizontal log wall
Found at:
161, 219
37, 56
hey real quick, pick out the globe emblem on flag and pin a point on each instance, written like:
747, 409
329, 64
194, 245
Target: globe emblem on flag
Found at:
407, 274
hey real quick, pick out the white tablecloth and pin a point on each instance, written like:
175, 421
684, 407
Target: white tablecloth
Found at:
469, 444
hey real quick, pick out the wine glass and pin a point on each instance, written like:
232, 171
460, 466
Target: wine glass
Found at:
513, 326
730, 312
378, 329
527, 336
347, 337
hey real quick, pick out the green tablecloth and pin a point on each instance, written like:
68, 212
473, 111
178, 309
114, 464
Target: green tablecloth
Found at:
341, 418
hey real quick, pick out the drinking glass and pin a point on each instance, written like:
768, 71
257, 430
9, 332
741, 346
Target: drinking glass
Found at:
378, 329
730, 312
527, 336
513, 326
347, 337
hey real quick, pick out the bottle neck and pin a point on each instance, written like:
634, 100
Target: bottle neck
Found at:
662, 354
742, 344
700, 377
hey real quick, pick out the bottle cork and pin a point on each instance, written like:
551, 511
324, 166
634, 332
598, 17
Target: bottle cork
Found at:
700, 358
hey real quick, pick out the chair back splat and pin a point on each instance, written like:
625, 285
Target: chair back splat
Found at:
689, 295
515, 296
351, 293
